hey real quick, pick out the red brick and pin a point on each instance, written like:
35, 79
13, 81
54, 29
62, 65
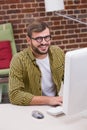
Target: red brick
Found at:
13, 11
83, 1
83, 45
27, 1
12, 1
31, 10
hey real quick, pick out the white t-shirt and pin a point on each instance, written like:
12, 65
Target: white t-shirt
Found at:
48, 87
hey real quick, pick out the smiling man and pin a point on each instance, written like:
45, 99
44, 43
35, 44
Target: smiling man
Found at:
37, 71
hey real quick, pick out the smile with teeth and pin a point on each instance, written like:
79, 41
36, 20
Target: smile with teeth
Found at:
43, 47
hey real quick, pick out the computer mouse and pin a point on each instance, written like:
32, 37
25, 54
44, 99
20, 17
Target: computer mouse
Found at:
37, 114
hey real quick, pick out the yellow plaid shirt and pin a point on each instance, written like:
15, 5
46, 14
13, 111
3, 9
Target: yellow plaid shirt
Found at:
25, 75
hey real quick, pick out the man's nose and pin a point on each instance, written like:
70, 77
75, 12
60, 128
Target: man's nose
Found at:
43, 41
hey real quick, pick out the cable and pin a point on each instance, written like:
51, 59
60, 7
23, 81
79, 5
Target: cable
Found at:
65, 16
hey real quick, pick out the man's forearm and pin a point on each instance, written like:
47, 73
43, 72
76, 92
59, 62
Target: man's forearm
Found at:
36, 100
46, 100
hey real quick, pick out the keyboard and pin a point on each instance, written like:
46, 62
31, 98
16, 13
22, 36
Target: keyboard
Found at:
55, 110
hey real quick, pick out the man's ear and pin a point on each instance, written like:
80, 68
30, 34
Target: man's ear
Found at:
28, 40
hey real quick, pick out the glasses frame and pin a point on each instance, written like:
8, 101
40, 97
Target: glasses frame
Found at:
40, 39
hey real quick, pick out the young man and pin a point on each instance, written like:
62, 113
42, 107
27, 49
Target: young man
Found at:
37, 71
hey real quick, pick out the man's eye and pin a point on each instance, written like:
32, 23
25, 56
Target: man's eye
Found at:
39, 38
48, 37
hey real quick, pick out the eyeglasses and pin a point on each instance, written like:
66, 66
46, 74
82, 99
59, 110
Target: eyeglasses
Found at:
40, 39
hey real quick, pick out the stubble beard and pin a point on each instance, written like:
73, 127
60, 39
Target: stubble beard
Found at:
37, 51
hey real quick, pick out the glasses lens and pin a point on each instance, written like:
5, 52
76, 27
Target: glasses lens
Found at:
39, 39
47, 38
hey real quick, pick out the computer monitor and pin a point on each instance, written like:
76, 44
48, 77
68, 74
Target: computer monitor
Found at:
75, 82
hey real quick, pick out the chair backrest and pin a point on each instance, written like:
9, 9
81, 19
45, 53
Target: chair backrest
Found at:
6, 33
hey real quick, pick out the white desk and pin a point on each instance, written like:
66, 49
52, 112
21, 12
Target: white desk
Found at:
14, 117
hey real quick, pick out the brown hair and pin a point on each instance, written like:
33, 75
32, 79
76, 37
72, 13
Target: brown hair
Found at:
36, 26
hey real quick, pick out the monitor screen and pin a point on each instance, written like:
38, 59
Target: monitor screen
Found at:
75, 82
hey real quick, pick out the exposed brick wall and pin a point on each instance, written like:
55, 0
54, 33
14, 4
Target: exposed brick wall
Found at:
66, 33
